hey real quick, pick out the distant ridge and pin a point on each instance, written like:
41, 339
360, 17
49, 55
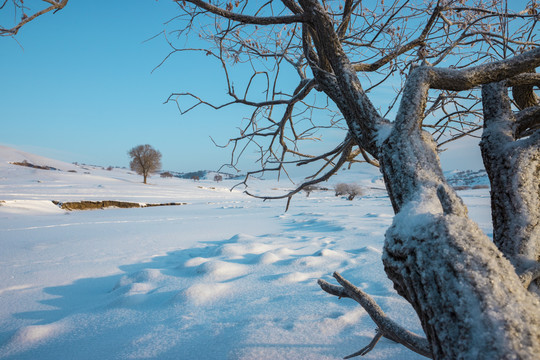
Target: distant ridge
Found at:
204, 174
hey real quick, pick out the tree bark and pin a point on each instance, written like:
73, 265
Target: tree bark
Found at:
468, 296
513, 167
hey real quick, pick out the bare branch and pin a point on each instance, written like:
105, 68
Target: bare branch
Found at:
387, 327
55, 6
343, 159
402, 49
369, 347
247, 19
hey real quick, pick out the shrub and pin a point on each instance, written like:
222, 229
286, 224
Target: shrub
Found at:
166, 174
349, 190
341, 189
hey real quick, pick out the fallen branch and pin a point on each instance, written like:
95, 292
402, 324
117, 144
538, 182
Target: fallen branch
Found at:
386, 326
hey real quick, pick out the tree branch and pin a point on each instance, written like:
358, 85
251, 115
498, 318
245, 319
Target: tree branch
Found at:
527, 122
402, 49
247, 19
464, 79
342, 160
387, 327
55, 5
530, 275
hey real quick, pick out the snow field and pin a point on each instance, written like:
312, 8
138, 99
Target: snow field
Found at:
224, 277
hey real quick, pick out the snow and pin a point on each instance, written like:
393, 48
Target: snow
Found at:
226, 276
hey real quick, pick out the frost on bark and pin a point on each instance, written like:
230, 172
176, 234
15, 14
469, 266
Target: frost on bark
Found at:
467, 294
513, 166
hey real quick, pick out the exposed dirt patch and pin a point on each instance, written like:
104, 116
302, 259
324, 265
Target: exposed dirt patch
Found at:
94, 205
27, 164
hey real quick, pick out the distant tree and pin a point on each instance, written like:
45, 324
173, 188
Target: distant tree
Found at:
166, 174
144, 160
218, 178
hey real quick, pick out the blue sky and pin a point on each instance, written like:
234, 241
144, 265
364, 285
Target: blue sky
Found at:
78, 86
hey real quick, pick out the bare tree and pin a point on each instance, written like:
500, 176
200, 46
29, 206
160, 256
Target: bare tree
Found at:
144, 160
24, 12
450, 64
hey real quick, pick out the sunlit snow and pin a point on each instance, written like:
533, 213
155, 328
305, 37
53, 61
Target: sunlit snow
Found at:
226, 276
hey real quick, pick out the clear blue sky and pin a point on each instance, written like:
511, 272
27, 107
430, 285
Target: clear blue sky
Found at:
81, 88
78, 86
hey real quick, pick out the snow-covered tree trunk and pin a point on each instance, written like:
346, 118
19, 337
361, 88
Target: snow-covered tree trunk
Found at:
468, 296
513, 166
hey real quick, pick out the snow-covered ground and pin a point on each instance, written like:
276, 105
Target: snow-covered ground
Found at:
226, 276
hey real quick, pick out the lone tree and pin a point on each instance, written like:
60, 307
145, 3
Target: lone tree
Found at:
443, 69
144, 160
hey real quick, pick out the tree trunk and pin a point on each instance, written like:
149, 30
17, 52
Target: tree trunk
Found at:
513, 167
470, 301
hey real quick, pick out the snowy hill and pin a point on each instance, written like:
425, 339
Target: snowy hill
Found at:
206, 175
226, 276
468, 179
10, 155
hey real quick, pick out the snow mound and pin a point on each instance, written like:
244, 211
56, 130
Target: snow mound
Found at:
268, 258
220, 270
206, 293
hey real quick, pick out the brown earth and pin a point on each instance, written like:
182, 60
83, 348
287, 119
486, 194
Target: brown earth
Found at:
93, 205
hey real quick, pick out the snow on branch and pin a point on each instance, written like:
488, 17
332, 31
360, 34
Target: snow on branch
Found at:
527, 122
530, 275
464, 79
